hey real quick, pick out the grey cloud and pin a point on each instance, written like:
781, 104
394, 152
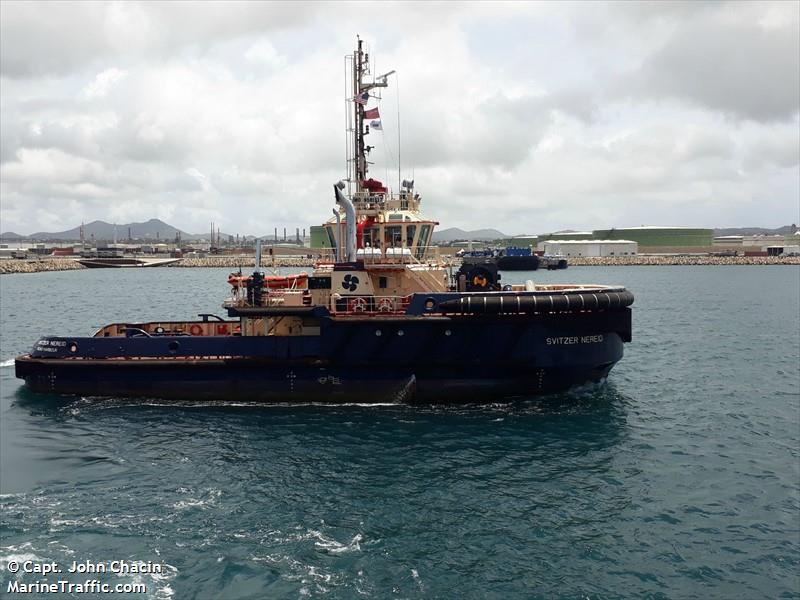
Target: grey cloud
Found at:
500, 132
12, 134
777, 148
40, 38
741, 69
579, 144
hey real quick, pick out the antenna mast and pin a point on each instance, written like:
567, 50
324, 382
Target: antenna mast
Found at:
360, 89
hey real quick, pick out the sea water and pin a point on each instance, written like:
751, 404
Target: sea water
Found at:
677, 478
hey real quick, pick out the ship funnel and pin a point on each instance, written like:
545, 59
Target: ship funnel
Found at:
350, 215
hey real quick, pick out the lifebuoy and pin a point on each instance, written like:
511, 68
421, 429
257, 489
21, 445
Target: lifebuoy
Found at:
196, 329
385, 305
479, 281
358, 305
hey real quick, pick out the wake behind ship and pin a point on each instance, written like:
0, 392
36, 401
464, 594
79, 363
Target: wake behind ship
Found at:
380, 318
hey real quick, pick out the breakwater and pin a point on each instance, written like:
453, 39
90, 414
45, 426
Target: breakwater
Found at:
234, 262
12, 265
247, 262
609, 261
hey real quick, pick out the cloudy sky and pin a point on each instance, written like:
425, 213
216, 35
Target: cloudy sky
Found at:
527, 117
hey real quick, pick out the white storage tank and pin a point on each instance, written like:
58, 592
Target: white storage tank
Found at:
591, 248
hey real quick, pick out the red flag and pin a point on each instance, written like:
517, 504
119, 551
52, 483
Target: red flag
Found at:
372, 113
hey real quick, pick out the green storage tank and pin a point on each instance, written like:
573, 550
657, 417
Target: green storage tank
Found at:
568, 235
659, 236
319, 237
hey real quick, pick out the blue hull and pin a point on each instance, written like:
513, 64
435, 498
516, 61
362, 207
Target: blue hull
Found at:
455, 359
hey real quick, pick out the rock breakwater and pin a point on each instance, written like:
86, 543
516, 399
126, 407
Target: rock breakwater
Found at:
38, 266
248, 262
234, 262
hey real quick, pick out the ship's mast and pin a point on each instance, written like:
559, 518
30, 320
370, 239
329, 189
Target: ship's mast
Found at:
360, 150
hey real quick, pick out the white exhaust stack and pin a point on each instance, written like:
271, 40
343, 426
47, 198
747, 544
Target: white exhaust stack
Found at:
350, 215
338, 235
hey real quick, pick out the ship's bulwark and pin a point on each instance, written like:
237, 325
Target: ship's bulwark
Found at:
459, 359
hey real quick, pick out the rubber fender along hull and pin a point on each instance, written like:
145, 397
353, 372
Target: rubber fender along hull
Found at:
500, 303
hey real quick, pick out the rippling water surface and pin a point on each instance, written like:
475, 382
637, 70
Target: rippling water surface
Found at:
678, 478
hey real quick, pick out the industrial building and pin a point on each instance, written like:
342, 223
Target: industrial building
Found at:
757, 241
591, 248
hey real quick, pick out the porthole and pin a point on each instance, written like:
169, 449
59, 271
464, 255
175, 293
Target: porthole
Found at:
378, 332
174, 346
447, 332
73, 347
430, 303
400, 332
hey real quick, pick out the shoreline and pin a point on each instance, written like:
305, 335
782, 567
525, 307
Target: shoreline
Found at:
15, 266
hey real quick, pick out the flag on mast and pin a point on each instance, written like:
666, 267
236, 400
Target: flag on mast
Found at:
361, 98
376, 125
372, 113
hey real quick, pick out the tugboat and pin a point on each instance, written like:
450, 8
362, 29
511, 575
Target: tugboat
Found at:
380, 318
551, 262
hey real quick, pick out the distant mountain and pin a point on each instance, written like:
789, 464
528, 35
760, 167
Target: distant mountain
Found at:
785, 230
154, 229
454, 233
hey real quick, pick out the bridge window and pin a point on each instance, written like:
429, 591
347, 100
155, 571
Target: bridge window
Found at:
393, 236
372, 237
411, 231
425, 232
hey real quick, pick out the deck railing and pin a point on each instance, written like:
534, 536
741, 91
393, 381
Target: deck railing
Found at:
389, 255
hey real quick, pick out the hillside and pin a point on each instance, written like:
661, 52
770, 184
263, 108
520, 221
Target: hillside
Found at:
154, 229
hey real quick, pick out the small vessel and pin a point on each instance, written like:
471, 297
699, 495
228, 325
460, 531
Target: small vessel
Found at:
517, 259
114, 258
513, 259
551, 262
381, 318
506, 259
124, 263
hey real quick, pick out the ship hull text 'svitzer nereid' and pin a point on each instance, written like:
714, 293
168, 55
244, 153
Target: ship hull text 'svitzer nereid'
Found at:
380, 318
